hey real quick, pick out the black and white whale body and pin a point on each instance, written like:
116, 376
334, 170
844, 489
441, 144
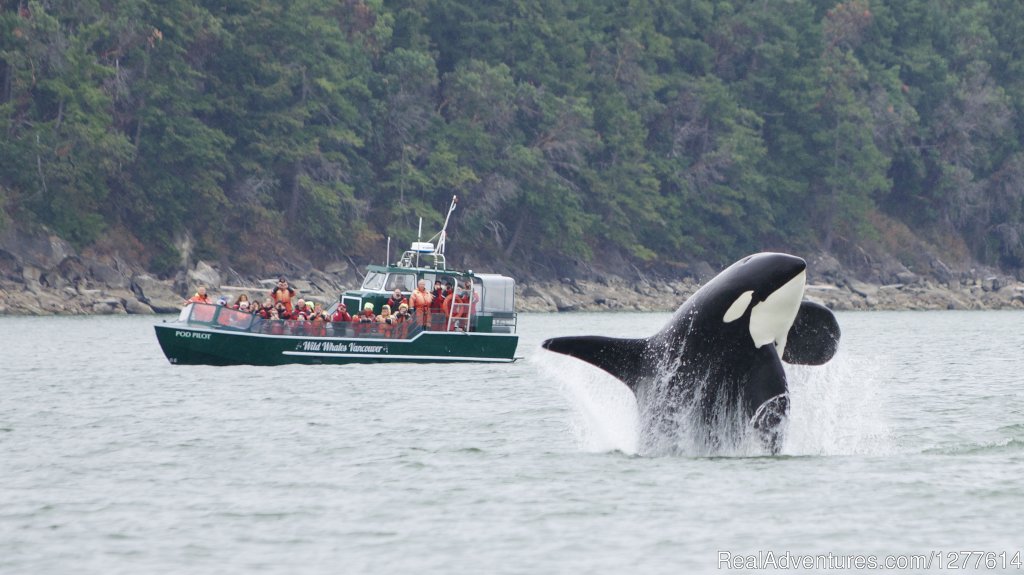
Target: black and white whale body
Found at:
715, 371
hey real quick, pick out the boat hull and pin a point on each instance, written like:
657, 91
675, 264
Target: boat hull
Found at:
190, 345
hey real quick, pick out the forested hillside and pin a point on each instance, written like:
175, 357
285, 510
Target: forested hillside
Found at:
653, 131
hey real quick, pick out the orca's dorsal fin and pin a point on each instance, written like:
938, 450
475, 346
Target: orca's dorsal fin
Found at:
624, 358
814, 337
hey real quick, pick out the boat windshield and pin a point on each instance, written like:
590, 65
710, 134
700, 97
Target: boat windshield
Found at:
404, 282
374, 281
220, 315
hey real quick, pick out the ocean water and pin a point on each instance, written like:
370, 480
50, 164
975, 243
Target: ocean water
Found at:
909, 444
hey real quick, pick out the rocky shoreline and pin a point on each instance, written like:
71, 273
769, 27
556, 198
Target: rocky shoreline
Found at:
105, 290
44, 276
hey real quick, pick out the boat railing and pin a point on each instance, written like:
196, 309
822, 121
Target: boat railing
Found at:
463, 318
375, 330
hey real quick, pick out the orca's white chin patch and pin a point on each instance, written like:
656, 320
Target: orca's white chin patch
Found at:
771, 319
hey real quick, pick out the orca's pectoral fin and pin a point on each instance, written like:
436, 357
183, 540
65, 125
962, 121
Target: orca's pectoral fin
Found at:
814, 337
626, 359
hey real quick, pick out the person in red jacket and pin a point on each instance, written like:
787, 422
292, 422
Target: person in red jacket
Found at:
396, 299
341, 314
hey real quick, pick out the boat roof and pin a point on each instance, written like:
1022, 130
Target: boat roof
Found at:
420, 270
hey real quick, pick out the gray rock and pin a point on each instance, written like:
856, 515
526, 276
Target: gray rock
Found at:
565, 305
862, 289
30, 275
204, 274
703, 271
155, 293
530, 291
106, 275
338, 268
825, 266
41, 251
136, 307
101, 308
53, 280
907, 278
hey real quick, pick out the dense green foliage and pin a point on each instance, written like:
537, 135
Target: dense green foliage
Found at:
657, 130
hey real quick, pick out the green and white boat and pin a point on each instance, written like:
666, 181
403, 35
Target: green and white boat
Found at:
483, 330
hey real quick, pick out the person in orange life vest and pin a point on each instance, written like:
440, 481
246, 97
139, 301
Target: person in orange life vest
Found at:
403, 314
318, 321
367, 315
421, 300
200, 296
283, 294
385, 315
396, 299
341, 314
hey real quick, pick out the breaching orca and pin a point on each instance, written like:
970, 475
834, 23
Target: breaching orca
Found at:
715, 371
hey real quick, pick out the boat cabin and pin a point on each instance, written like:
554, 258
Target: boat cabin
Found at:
493, 294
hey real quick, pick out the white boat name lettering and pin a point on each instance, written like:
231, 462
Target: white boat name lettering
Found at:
191, 334
327, 346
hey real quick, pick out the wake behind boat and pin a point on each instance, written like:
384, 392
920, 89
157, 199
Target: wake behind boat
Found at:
477, 324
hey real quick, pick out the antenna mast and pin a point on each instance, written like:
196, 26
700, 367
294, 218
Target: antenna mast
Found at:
443, 234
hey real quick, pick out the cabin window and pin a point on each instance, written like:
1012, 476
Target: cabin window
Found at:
374, 281
404, 282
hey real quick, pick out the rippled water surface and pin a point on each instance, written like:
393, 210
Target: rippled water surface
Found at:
113, 461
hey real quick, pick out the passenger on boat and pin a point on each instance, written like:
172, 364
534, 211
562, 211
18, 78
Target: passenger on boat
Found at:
421, 300
238, 302
276, 326
200, 296
403, 314
283, 293
397, 299
268, 306
385, 315
300, 311
318, 321
341, 314
367, 315
459, 308
282, 311
437, 305
437, 296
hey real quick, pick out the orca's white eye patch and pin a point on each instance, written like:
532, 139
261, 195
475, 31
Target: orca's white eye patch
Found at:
739, 306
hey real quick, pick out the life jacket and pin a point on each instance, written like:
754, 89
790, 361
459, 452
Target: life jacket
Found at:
199, 299
421, 299
341, 315
284, 296
394, 304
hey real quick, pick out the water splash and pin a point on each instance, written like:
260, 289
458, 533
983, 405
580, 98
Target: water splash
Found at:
834, 410
837, 409
604, 413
